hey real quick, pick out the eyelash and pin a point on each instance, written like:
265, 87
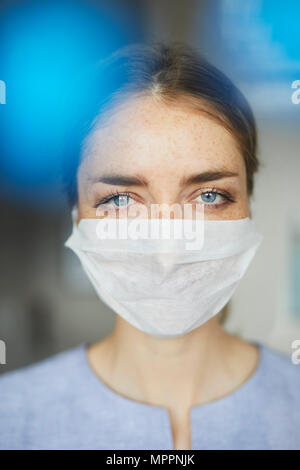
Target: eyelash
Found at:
224, 194
110, 196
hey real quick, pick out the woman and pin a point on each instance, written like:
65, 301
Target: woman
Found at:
168, 376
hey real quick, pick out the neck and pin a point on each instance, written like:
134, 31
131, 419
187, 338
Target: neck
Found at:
191, 369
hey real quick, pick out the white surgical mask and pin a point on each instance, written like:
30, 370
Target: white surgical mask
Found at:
166, 288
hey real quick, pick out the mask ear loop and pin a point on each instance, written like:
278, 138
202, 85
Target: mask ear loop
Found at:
251, 208
74, 215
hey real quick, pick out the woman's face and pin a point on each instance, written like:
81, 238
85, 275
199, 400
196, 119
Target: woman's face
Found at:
155, 153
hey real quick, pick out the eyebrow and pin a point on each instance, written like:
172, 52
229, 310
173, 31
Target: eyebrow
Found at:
207, 176
120, 180
124, 180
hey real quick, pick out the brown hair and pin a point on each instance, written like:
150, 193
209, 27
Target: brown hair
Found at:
169, 72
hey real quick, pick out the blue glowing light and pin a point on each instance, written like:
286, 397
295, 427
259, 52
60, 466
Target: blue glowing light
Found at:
45, 47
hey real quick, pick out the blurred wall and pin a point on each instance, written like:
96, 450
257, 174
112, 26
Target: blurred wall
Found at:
261, 307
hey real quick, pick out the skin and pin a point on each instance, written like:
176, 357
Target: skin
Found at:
163, 143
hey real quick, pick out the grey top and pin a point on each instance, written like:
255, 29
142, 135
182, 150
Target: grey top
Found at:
60, 403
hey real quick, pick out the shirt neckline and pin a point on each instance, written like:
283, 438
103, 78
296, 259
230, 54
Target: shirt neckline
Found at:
238, 393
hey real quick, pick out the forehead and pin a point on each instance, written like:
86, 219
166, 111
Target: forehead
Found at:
145, 133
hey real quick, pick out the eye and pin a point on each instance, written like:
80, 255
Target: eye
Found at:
118, 200
210, 197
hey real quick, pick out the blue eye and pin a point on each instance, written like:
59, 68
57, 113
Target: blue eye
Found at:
210, 197
119, 200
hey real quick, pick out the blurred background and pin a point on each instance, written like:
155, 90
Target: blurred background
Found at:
46, 303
